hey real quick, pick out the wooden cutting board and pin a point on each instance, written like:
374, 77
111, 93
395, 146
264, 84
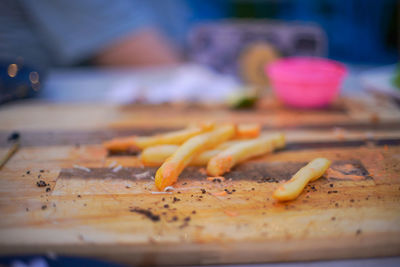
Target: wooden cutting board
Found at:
353, 211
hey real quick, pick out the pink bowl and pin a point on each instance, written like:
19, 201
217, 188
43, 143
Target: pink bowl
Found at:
306, 82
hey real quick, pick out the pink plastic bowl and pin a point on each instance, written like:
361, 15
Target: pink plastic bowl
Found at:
306, 82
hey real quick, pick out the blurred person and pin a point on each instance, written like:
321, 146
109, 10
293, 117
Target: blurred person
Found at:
51, 33
37, 35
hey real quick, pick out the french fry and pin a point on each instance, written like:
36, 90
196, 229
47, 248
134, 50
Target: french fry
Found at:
122, 144
169, 171
312, 171
241, 151
203, 158
141, 142
250, 130
226, 144
156, 155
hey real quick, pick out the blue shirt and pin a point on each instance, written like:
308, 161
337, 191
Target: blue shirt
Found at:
47, 33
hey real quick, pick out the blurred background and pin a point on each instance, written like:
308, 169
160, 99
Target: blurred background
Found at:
158, 51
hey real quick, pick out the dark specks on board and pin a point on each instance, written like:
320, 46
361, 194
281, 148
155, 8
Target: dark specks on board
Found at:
262, 172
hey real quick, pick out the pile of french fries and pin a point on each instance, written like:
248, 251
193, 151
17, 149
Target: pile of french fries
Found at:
219, 148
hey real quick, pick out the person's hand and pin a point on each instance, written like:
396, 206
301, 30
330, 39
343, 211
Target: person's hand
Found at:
143, 48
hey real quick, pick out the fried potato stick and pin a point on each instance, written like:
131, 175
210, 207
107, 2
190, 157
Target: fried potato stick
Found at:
241, 151
169, 171
141, 142
292, 189
156, 155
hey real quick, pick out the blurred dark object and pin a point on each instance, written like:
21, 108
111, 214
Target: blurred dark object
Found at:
224, 45
358, 31
53, 260
18, 81
14, 139
14, 136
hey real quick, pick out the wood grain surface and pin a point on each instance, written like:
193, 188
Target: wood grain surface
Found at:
117, 214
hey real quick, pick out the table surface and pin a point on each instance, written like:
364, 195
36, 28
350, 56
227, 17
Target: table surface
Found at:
91, 85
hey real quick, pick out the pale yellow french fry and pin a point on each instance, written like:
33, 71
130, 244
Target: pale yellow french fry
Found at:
169, 171
312, 171
156, 155
279, 140
141, 142
203, 158
230, 143
241, 151
123, 144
